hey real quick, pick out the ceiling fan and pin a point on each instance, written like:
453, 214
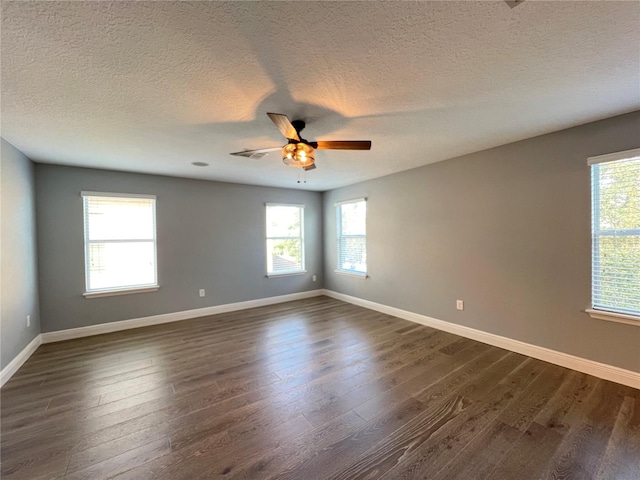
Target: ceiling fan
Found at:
300, 152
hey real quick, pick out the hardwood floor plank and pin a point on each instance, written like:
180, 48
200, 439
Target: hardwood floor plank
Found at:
123, 462
584, 445
203, 459
621, 459
287, 456
164, 467
330, 460
16, 412
492, 435
431, 378
466, 365
214, 456
474, 461
86, 458
51, 461
529, 454
393, 449
530, 400
435, 451
376, 388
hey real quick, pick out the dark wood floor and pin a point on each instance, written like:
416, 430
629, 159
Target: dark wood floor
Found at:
314, 389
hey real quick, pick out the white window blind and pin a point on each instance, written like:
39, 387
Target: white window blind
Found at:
120, 241
615, 189
285, 239
351, 220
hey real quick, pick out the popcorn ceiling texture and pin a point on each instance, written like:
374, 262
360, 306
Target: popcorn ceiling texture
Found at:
154, 86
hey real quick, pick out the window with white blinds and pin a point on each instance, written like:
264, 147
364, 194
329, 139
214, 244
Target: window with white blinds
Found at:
119, 241
615, 193
351, 217
285, 239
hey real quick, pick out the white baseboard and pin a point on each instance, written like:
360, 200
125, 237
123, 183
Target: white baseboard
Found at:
590, 367
18, 361
99, 329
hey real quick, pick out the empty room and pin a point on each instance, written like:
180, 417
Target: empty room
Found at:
320, 240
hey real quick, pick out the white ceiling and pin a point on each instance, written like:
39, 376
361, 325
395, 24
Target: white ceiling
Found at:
153, 86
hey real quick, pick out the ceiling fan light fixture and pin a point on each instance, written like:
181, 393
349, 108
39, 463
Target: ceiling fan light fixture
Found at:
298, 154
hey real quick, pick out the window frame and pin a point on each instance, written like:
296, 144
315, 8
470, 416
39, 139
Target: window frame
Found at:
287, 273
593, 311
339, 236
121, 290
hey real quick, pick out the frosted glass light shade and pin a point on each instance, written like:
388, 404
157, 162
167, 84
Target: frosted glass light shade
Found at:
298, 155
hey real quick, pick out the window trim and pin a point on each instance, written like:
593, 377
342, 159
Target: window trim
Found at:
347, 273
285, 273
612, 157
598, 313
120, 291
350, 273
613, 316
353, 200
111, 291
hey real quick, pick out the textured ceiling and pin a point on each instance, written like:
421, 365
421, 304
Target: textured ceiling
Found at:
154, 86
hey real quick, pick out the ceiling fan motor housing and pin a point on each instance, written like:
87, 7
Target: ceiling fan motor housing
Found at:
298, 125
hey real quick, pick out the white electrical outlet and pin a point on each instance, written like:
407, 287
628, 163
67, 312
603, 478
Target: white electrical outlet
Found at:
28, 320
459, 304
201, 292
313, 278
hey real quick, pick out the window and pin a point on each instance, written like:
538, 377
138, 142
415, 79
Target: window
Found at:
119, 242
285, 239
351, 217
615, 194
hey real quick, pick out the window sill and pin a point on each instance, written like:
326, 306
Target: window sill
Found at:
614, 317
362, 276
286, 274
123, 291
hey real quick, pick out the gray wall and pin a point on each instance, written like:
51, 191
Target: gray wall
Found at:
507, 230
210, 235
19, 281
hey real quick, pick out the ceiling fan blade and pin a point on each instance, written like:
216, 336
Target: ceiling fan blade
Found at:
343, 144
261, 152
309, 167
284, 125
